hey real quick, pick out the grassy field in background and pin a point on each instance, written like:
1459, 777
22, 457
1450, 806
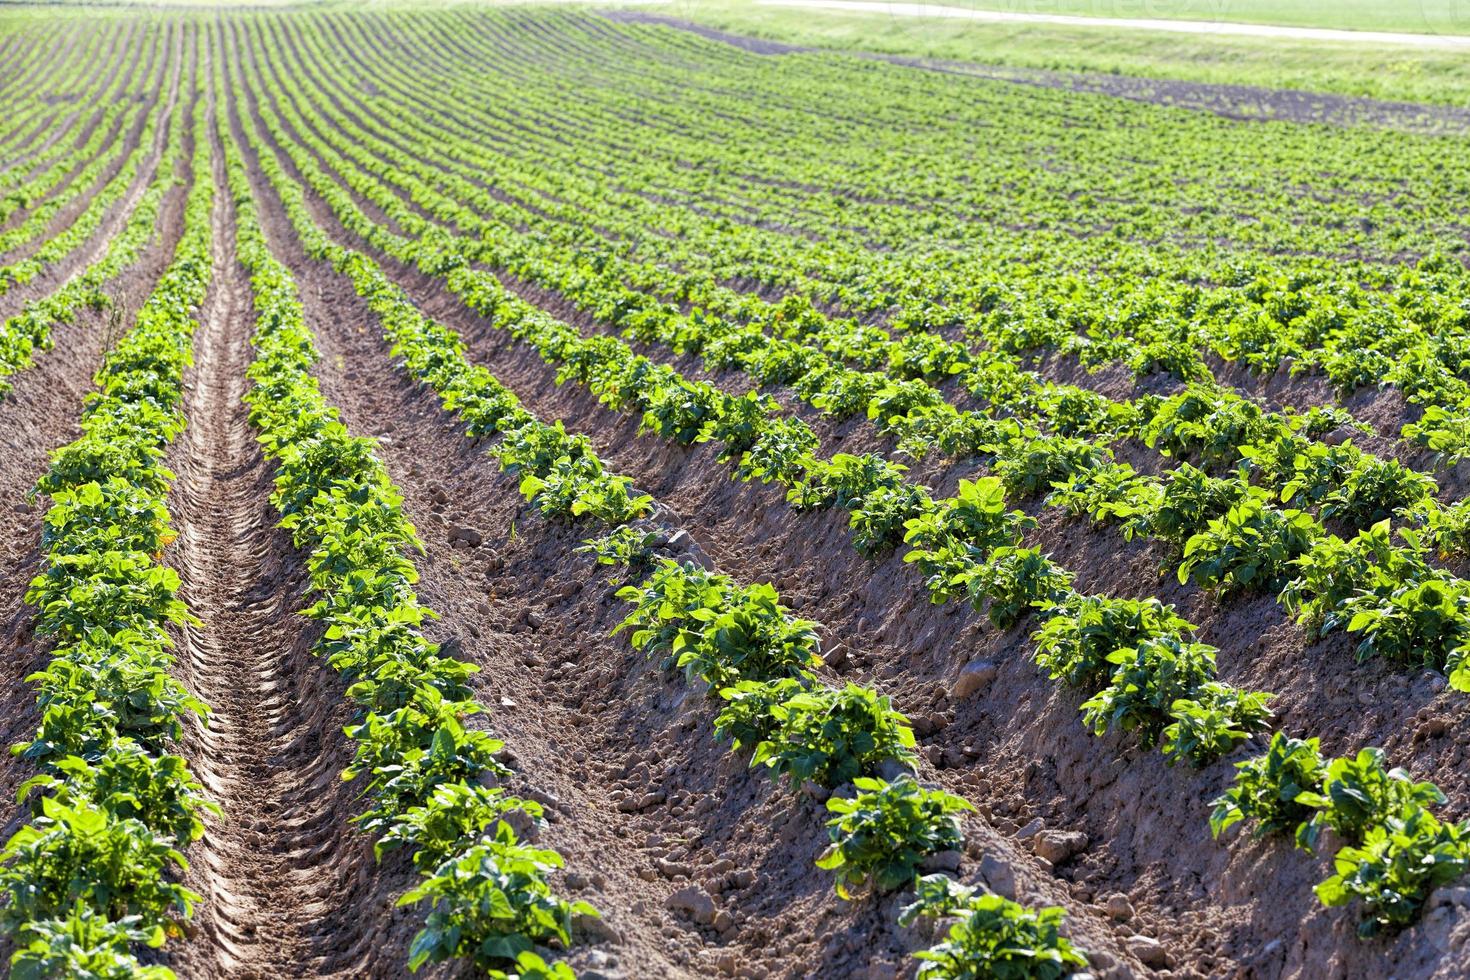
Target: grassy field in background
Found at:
1411, 17
1379, 71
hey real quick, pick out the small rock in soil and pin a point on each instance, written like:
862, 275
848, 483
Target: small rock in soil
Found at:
891, 769
1031, 829
999, 875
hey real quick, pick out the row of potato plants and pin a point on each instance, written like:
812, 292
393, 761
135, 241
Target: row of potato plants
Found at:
656, 147
1144, 654
29, 330
760, 665
989, 293
433, 780
1210, 523
96, 868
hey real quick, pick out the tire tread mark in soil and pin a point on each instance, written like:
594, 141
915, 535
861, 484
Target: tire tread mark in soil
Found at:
282, 864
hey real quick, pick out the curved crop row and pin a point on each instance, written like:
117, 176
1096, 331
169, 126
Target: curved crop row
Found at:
1003, 297
1230, 535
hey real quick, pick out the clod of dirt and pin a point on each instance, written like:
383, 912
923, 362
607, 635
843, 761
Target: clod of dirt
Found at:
1118, 907
976, 675
1148, 951
467, 536
943, 861
926, 725
1057, 846
694, 902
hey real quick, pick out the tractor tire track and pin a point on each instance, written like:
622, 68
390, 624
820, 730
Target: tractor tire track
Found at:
282, 863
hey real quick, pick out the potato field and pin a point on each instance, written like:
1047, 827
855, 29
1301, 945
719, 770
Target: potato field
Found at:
545, 492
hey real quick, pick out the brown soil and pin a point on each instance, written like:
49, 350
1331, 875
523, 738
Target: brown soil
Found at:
282, 861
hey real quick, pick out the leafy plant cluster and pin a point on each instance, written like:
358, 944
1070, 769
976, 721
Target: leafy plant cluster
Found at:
1394, 850
1147, 676
990, 936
